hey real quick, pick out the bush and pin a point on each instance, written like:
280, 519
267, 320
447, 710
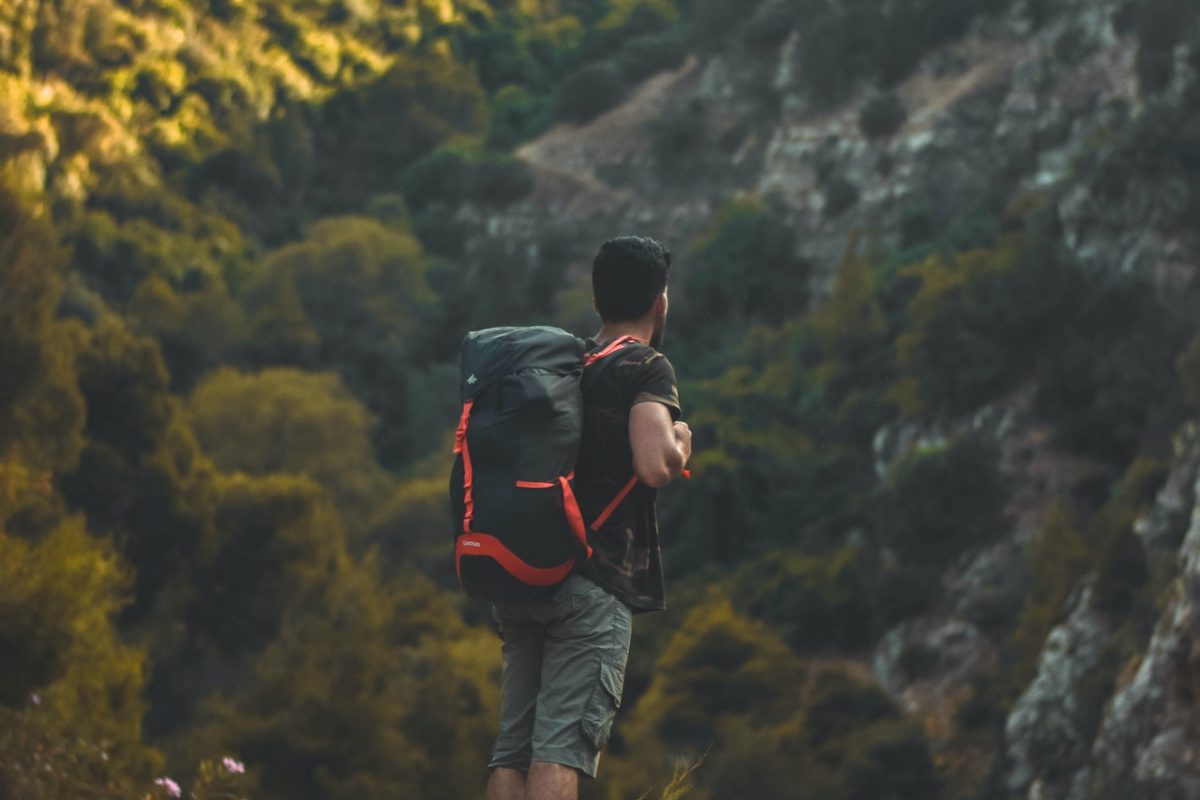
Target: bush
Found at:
840, 196
743, 265
517, 115
882, 116
646, 55
1112, 363
674, 136
450, 177
980, 320
815, 602
1159, 26
588, 92
941, 501
772, 23
711, 21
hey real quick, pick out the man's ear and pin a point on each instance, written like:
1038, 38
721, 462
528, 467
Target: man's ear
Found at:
661, 304
595, 306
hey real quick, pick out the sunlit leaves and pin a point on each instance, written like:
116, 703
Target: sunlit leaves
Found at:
290, 421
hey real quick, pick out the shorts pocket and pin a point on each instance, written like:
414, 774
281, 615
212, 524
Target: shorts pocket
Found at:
602, 706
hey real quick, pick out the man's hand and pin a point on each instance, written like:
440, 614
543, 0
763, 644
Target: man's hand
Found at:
660, 447
683, 435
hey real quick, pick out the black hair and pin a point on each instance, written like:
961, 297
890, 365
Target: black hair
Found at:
628, 275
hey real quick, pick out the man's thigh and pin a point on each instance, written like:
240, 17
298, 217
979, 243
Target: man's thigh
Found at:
583, 674
523, 636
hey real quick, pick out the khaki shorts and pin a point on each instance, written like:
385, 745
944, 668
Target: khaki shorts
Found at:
564, 667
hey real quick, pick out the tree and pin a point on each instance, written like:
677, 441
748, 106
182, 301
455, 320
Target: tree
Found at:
70, 702
41, 410
285, 420
351, 297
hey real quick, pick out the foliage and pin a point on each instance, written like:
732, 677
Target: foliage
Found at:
1111, 365
868, 45
742, 265
882, 115
939, 501
815, 602
71, 689
453, 177
1159, 25
1101, 349
368, 693
352, 296
41, 410
765, 731
287, 421
224, 411
215, 780
589, 91
1058, 558
963, 342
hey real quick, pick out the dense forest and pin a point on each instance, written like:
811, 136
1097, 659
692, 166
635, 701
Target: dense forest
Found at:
943, 436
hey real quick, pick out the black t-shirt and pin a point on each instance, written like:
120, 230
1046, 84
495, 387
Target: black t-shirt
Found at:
626, 559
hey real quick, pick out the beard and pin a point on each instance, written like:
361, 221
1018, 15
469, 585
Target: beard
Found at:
660, 330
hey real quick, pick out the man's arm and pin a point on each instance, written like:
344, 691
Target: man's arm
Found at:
661, 449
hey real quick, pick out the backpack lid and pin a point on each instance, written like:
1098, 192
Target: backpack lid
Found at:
492, 353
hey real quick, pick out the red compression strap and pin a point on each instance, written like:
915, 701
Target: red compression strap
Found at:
612, 347
460, 435
604, 515
480, 544
541, 484
574, 515
460, 446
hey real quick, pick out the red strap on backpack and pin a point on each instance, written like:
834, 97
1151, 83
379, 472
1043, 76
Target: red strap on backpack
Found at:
609, 349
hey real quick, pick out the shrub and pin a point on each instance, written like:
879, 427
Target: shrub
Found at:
882, 116
980, 320
815, 602
711, 21
772, 23
646, 55
940, 501
839, 704
674, 136
451, 177
517, 115
1111, 363
840, 196
588, 92
1159, 26
743, 264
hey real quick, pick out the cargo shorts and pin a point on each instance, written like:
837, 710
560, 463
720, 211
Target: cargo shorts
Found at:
563, 671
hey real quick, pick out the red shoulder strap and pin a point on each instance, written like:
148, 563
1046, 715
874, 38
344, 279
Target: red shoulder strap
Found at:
609, 349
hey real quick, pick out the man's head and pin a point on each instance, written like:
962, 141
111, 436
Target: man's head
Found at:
629, 282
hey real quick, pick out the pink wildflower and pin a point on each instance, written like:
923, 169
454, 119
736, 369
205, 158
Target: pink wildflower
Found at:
233, 765
171, 786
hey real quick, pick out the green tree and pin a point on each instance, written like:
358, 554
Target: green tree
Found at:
71, 704
351, 297
744, 265
369, 693
286, 420
41, 409
940, 501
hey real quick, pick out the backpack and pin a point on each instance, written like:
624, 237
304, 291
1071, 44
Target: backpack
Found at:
519, 530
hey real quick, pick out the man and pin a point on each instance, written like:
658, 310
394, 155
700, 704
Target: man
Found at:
565, 656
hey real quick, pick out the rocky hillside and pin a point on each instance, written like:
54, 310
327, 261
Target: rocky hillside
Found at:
934, 315
1071, 116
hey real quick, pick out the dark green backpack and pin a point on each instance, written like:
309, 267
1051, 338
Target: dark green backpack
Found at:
519, 530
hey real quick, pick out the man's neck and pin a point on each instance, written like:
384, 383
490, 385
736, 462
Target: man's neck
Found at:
641, 331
